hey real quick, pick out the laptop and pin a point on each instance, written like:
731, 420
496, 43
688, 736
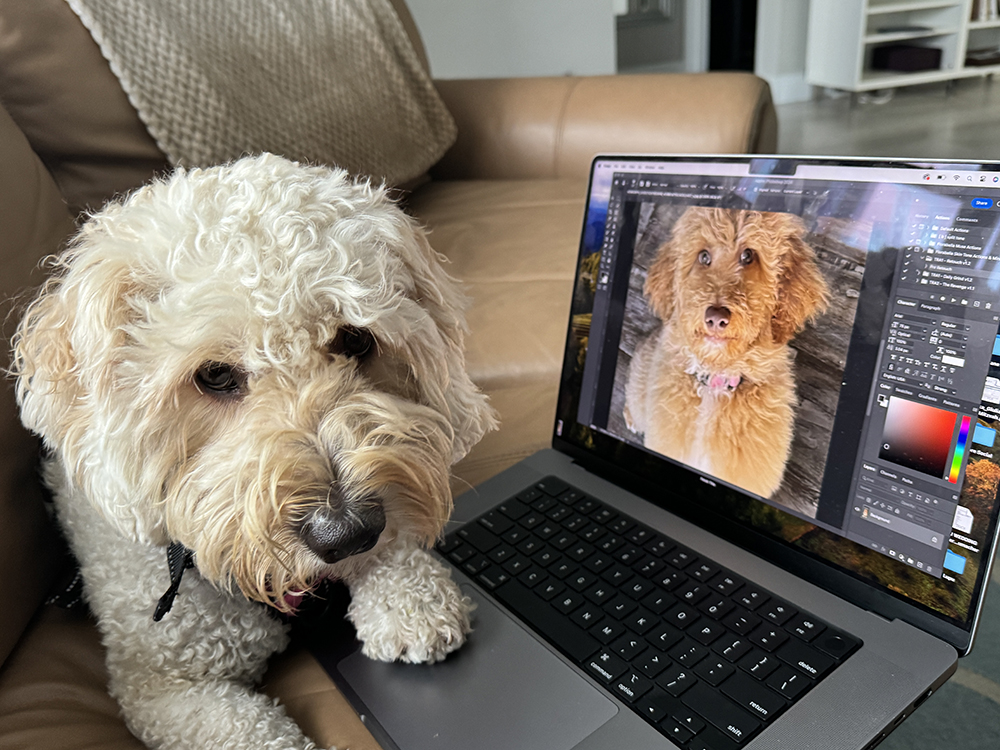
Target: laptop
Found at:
769, 512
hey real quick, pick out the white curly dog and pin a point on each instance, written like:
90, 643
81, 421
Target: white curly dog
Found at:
259, 367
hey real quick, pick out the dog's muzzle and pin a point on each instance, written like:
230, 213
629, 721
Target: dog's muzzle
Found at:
334, 535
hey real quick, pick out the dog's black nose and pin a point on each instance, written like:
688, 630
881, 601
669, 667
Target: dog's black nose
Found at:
716, 318
337, 534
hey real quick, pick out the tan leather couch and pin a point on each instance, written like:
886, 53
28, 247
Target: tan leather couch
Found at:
505, 205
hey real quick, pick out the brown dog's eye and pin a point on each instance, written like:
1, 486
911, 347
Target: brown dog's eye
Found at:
705, 258
355, 343
747, 256
220, 379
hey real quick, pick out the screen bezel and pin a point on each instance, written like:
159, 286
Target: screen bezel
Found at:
647, 476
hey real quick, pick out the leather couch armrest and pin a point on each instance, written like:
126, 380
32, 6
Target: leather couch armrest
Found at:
522, 128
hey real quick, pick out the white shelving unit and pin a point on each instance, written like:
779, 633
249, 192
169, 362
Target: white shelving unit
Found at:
843, 35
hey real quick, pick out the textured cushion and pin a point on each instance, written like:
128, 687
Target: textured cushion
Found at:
333, 82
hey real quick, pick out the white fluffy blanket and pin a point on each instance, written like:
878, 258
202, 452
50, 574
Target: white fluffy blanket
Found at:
329, 81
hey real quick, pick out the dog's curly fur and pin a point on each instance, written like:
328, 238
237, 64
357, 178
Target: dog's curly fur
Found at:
219, 360
714, 386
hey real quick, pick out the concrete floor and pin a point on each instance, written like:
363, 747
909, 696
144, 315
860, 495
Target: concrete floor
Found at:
956, 121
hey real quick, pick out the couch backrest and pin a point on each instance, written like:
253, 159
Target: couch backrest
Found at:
34, 223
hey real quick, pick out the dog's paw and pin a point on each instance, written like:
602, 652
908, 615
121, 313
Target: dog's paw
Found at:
409, 609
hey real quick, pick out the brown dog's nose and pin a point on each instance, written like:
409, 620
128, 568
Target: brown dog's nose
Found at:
716, 318
334, 535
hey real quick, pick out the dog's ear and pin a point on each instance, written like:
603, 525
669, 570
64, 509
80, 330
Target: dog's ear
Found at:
470, 414
659, 287
802, 290
64, 345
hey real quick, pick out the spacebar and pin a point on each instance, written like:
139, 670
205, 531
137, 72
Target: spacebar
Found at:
547, 621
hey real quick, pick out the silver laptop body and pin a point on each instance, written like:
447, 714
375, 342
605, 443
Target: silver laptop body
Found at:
882, 520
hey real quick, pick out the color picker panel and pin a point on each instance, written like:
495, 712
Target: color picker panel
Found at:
918, 436
956, 460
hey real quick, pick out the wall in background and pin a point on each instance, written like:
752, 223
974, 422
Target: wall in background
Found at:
500, 38
780, 53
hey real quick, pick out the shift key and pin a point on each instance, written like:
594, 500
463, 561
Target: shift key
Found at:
733, 722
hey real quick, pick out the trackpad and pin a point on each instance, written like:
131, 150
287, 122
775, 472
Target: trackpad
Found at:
502, 689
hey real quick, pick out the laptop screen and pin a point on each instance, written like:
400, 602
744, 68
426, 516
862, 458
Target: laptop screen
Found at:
807, 346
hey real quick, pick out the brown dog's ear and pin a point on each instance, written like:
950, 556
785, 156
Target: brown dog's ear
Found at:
659, 287
802, 290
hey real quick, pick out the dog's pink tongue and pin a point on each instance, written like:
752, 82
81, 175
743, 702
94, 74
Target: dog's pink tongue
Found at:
293, 599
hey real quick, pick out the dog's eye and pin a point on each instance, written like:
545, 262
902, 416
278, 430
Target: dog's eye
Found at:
747, 256
705, 258
355, 343
220, 379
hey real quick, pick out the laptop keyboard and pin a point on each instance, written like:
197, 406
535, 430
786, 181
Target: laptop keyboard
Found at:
707, 657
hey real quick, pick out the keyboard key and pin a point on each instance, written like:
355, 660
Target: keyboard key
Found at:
659, 547
516, 565
605, 666
692, 592
628, 646
676, 680
791, 683
559, 513
658, 602
620, 525
641, 621
751, 597
493, 576
607, 631
544, 504
632, 686
550, 589
598, 563
716, 607
726, 584
688, 653
479, 537
552, 486
652, 663
837, 645
681, 557
768, 638
758, 664
741, 621
706, 631
620, 607
567, 602
530, 545
496, 522
805, 628
703, 571
777, 612
732, 648
672, 729
515, 535
587, 616
714, 671
600, 593
664, 636
733, 722
637, 588
617, 575
672, 579
805, 658
502, 553
581, 580
680, 616
576, 522
462, 553
529, 495
533, 576
655, 705
513, 509
753, 696
554, 626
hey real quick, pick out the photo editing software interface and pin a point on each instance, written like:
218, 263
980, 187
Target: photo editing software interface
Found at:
913, 457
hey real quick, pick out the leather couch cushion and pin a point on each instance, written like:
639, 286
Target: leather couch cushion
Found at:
513, 245
33, 224
53, 693
62, 94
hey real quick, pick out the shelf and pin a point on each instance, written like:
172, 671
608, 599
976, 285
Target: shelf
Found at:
902, 7
975, 25
899, 36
